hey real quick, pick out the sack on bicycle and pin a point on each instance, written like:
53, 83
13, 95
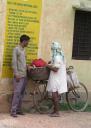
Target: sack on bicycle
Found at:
72, 79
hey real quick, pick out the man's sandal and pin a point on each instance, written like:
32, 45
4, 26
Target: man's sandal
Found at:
55, 115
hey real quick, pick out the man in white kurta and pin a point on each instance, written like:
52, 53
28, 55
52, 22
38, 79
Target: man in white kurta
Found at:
57, 82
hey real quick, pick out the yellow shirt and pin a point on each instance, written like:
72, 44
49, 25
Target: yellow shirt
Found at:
19, 61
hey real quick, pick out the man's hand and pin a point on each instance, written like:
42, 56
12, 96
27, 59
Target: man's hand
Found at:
29, 67
49, 62
17, 78
51, 67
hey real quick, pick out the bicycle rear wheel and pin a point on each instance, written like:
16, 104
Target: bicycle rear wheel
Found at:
77, 98
42, 102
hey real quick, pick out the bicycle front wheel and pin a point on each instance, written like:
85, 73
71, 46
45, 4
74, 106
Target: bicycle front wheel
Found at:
77, 98
42, 102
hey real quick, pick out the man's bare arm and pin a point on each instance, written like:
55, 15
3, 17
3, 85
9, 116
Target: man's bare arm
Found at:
51, 67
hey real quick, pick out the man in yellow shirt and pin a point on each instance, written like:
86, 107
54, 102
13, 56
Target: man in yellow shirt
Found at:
20, 75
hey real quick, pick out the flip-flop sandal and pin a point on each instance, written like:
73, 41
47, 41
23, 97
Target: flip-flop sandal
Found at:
54, 115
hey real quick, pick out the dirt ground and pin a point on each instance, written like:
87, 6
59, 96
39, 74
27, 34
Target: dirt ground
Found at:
67, 119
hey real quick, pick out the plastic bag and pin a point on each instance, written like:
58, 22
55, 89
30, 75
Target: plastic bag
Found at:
72, 79
38, 63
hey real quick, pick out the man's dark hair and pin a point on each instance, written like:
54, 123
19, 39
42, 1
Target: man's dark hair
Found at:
24, 38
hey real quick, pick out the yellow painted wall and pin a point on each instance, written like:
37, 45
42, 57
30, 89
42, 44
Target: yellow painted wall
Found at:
57, 23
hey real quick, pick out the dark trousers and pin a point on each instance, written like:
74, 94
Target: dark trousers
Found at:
19, 90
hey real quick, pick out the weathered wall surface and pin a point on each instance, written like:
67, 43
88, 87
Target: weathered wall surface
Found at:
58, 24
4, 84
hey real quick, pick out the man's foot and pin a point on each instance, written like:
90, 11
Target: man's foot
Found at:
55, 115
52, 112
20, 113
14, 115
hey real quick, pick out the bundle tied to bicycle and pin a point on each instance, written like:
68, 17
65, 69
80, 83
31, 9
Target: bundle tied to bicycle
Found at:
38, 70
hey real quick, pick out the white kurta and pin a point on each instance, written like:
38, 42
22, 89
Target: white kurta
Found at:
58, 80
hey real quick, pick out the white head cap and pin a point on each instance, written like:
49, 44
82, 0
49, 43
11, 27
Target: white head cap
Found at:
56, 45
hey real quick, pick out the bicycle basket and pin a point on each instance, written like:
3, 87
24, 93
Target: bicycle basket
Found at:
39, 73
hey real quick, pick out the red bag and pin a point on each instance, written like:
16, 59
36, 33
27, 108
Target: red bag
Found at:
39, 63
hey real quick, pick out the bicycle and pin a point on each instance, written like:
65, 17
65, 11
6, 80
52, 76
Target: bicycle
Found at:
76, 97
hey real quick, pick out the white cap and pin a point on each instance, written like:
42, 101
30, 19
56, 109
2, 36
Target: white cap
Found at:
56, 45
